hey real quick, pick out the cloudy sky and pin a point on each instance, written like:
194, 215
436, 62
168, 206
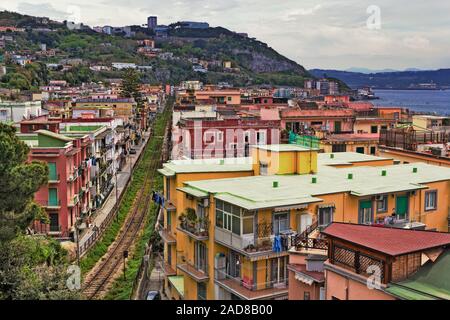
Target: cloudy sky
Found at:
337, 34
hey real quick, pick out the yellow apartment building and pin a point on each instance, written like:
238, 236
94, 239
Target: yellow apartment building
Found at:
228, 224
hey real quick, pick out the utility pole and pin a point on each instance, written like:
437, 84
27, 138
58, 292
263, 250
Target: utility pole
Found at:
125, 256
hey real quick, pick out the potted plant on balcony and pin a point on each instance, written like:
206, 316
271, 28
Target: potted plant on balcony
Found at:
203, 224
191, 219
182, 219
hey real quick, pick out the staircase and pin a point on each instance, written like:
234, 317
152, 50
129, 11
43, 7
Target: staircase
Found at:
311, 231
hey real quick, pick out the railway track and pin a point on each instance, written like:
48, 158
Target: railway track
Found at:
100, 278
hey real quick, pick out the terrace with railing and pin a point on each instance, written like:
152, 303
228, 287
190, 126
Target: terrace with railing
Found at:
193, 225
197, 269
245, 288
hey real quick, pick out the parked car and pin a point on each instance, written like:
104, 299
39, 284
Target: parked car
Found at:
132, 151
153, 295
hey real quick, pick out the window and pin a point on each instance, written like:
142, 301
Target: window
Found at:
52, 196
263, 168
430, 200
374, 129
337, 126
280, 222
365, 212
167, 188
261, 137
382, 204
339, 148
306, 295
325, 216
201, 256
54, 222
247, 222
201, 291
229, 98
373, 150
360, 150
228, 217
52, 175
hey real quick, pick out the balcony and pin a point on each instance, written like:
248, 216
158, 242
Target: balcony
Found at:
54, 178
73, 201
263, 242
248, 290
167, 236
355, 261
194, 226
52, 204
54, 230
197, 271
166, 267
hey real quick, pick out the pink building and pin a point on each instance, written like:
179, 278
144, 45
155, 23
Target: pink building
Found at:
66, 197
333, 121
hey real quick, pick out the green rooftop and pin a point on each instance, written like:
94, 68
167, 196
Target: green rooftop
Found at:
206, 165
346, 158
430, 282
82, 128
178, 283
259, 192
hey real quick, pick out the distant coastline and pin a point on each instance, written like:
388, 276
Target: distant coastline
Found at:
422, 101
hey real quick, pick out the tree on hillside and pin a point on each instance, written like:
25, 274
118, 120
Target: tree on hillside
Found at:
30, 267
131, 84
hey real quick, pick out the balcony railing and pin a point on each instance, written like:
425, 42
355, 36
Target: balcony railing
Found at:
167, 236
245, 288
52, 204
356, 261
198, 270
54, 178
195, 229
263, 241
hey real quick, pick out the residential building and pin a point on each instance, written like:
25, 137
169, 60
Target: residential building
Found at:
229, 224
16, 111
371, 263
66, 198
332, 121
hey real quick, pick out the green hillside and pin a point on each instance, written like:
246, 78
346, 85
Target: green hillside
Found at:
253, 62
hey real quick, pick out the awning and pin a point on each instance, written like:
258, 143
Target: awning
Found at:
298, 207
194, 192
303, 278
178, 283
326, 205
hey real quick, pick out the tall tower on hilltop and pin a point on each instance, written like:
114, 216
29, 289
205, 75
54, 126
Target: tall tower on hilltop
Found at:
152, 22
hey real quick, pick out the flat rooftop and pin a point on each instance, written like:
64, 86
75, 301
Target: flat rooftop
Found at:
206, 165
284, 148
346, 158
257, 192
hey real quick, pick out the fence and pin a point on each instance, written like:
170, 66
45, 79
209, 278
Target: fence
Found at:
98, 232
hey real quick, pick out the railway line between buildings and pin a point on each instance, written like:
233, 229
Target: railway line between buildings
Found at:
99, 280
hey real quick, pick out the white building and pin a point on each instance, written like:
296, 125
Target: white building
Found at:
123, 65
12, 111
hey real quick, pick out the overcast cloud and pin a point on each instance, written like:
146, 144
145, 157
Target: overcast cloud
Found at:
315, 33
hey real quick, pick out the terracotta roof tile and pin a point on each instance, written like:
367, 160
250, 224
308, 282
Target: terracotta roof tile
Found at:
391, 241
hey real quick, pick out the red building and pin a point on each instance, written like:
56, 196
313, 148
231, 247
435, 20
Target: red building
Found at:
40, 123
66, 197
223, 138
